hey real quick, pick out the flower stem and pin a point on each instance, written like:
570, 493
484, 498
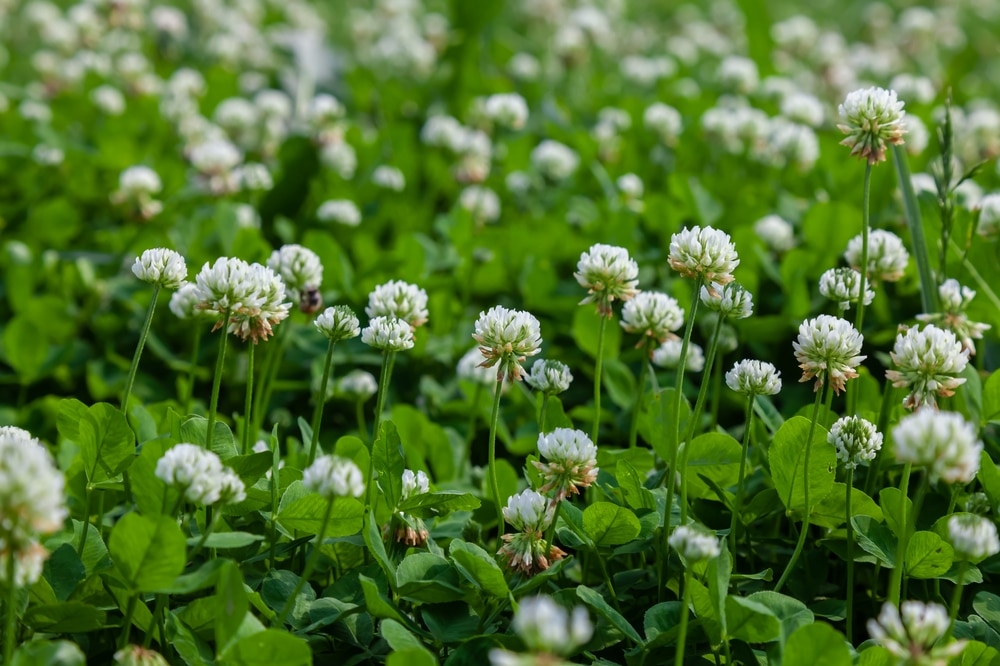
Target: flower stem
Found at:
956, 599
310, 567
850, 558
738, 505
805, 490
859, 316
86, 521
209, 528
494, 486
685, 602
127, 621
248, 401
383, 388
928, 290
896, 579
598, 376
138, 350
633, 431
320, 400
541, 416
699, 405
10, 617
678, 397
268, 375
217, 381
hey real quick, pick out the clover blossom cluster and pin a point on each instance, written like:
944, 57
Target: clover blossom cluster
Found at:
199, 475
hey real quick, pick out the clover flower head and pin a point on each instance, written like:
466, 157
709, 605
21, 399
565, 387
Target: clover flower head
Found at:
530, 513
388, 334
300, 268
943, 442
470, 368
338, 323
973, 537
225, 286
506, 110
184, 301
197, 473
554, 160
572, 462
506, 337
255, 318
828, 348
752, 377
703, 253
481, 202
134, 655
955, 299
358, 385
663, 120
332, 476
872, 117
160, 266
139, 180
608, 273
778, 234
29, 562
843, 285
668, 355
978, 503
389, 178
31, 492
549, 376
729, 300
989, 216
341, 211
887, 255
693, 544
215, 157
913, 632
414, 483
855, 439
652, 315
928, 362
400, 300
231, 487
545, 627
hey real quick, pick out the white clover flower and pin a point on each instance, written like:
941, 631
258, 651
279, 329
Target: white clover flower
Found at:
389, 178
630, 185
607, 273
554, 160
506, 110
138, 180
663, 120
778, 235
941, 441
872, 117
254, 319
668, 355
803, 108
855, 439
224, 286
160, 266
912, 634
546, 628
703, 253
917, 134
524, 66
340, 211
108, 99
506, 337
215, 157
300, 268
338, 323
751, 377
340, 157
530, 513
231, 487
400, 300
887, 255
572, 462
739, 74
184, 301
196, 472
974, 538
843, 285
989, 216
358, 384
730, 300
414, 483
549, 376
693, 544
29, 563
955, 299
442, 131
470, 368
828, 348
653, 315
928, 362
253, 177
388, 334
331, 476
31, 491
481, 202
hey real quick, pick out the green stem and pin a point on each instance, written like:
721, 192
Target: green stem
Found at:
217, 380
494, 486
86, 521
209, 528
896, 578
383, 388
738, 505
10, 606
956, 600
310, 567
859, 316
928, 290
195, 349
805, 489
133, 599
699, 405
269, 374
850, 558
321, 401
138, 350
248, 430
633, 431
161, 602
682, 635
541, 416
598, 376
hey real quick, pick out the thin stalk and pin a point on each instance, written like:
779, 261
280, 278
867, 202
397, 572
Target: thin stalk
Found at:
859, 316
310, 567
598, 375
248, 401
209, 528
123, 640
678, 396
738, 505
217, 380
195, 349
699, 405
383, 388
956, 600
10, 617
804, 530
633, 431
320, 400
850, 558
138, 350
682, 635
541, 416
268, 375
494, 486
86, 522
161, 602
896, 578
928, 290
